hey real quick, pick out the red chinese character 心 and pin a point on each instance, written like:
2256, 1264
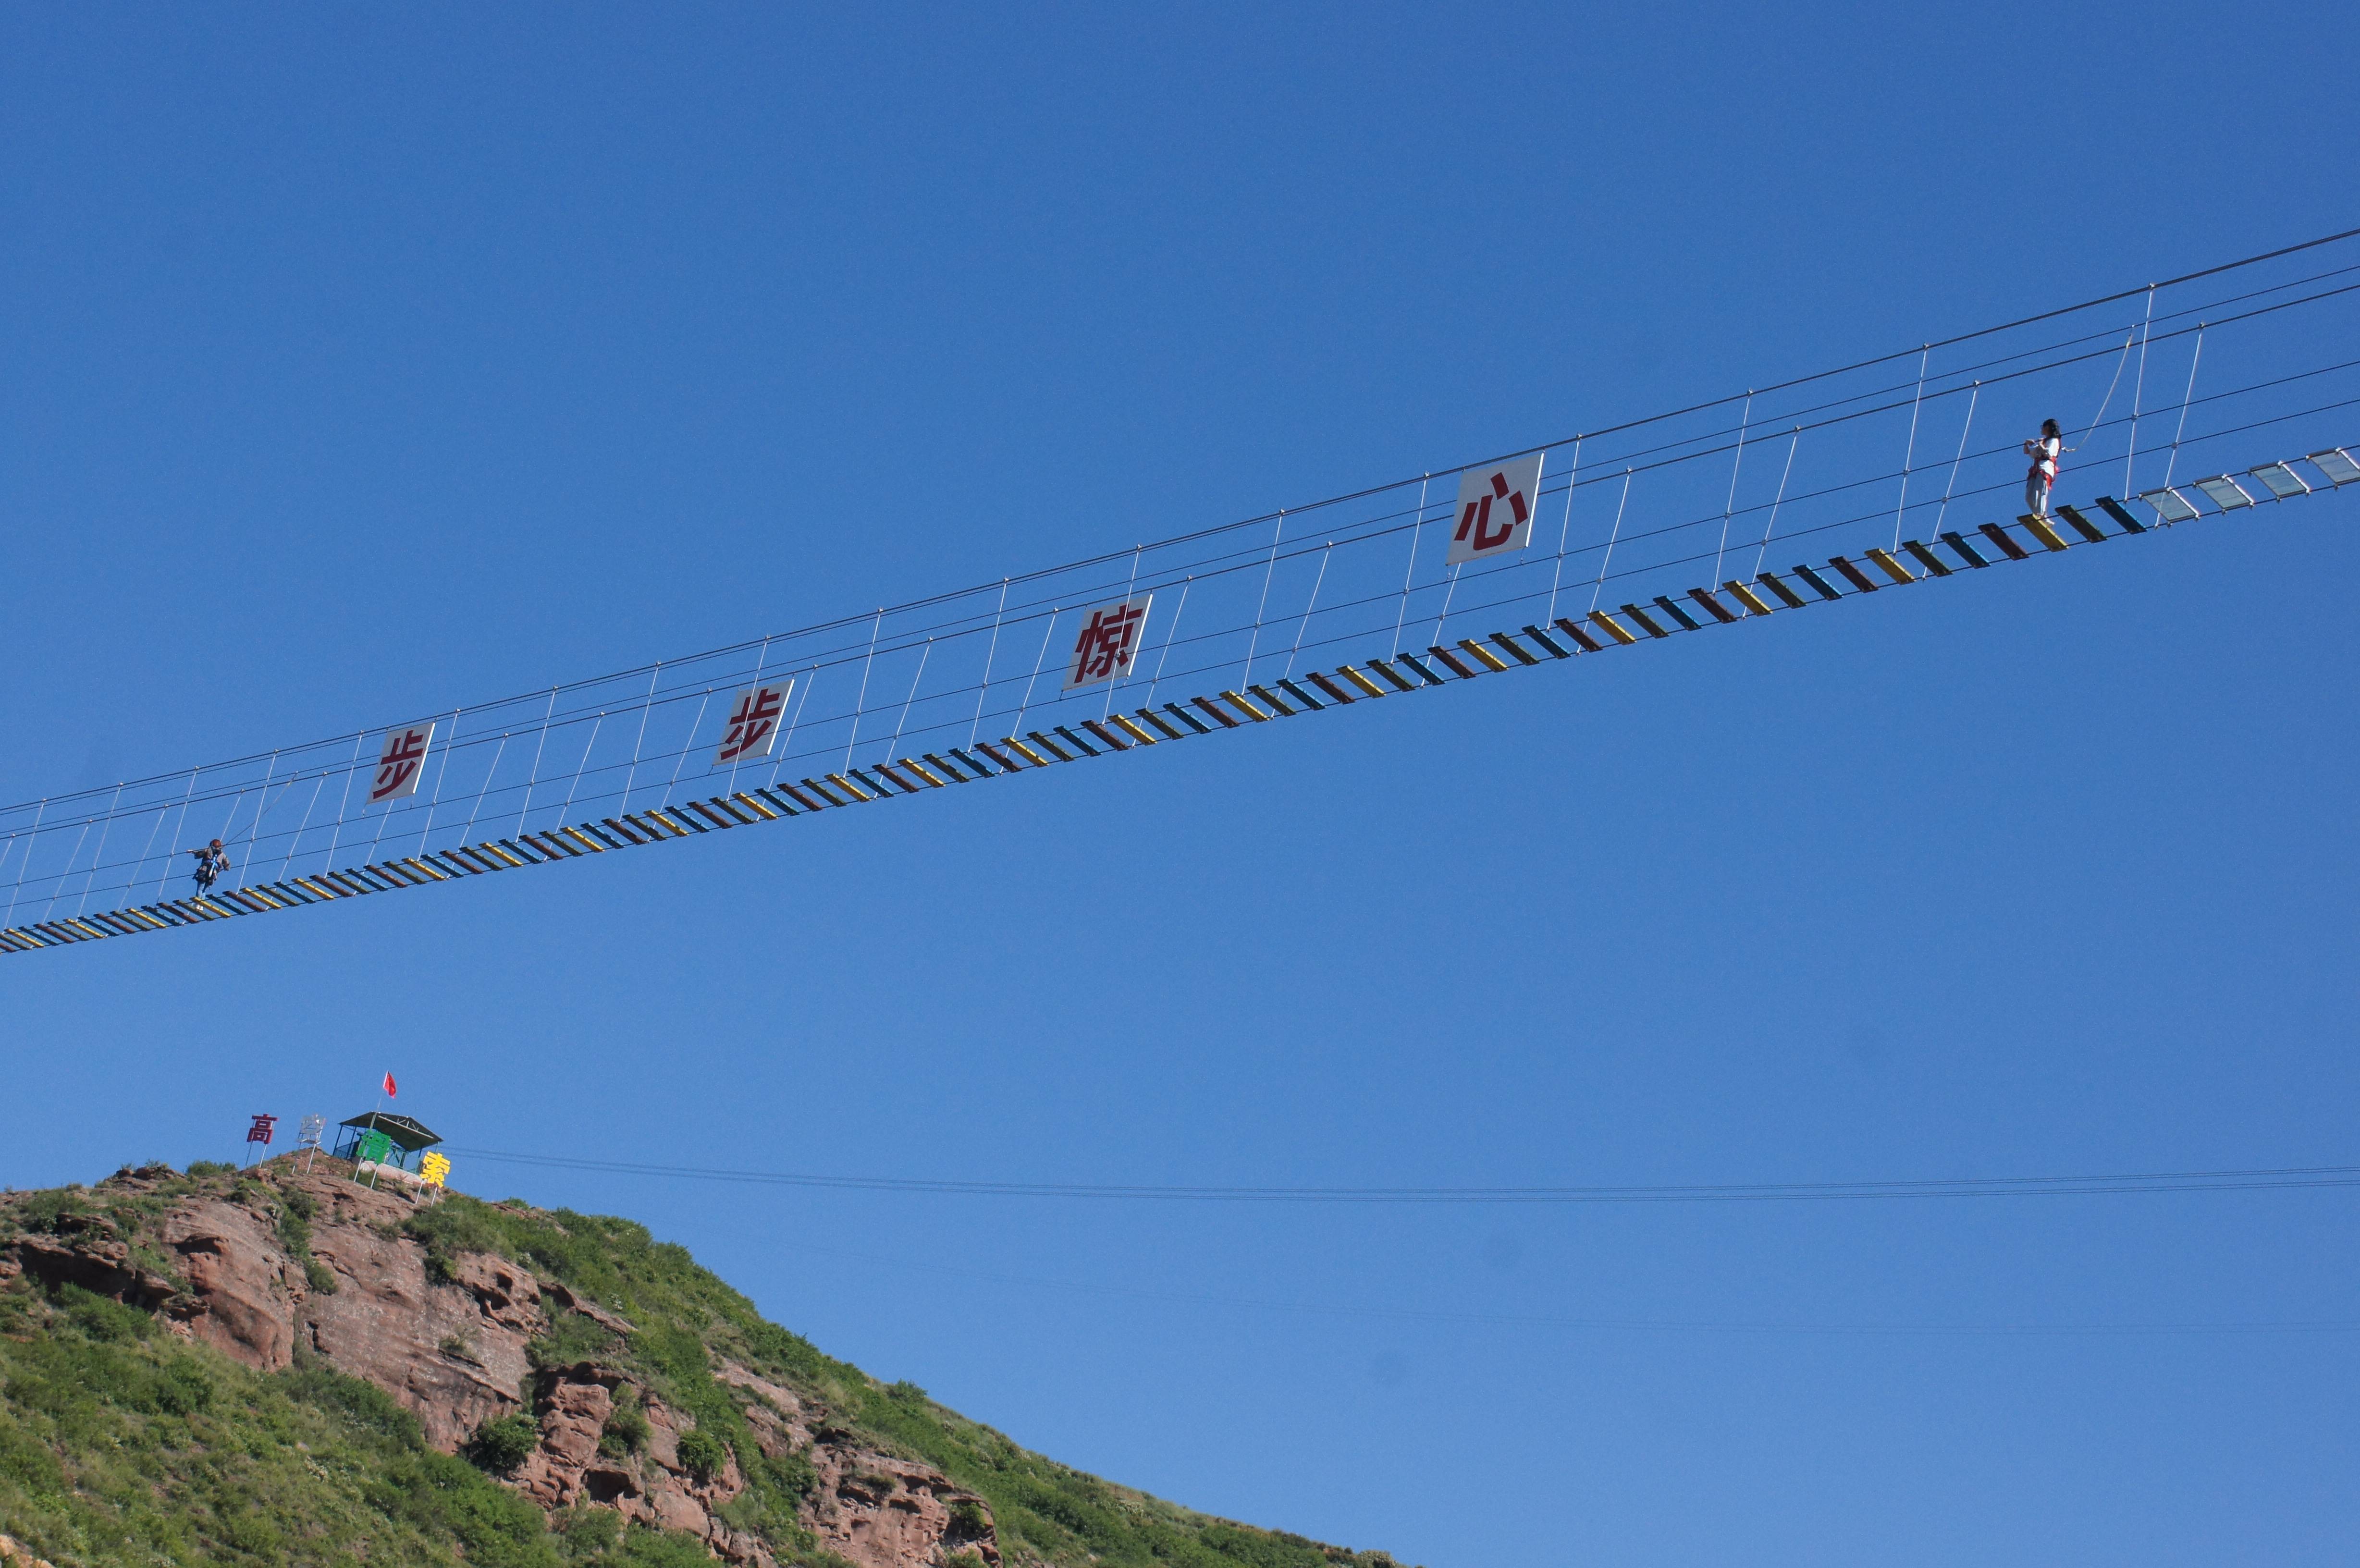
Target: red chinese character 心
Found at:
1478, 515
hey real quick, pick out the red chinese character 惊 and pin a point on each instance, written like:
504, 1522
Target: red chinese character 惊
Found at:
1105, 646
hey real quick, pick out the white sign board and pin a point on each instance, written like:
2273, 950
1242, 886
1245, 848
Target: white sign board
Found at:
1496, 504
753, 723
1109, 637
403, 763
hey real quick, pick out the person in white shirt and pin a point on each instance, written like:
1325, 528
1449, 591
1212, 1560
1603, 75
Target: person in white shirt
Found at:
2044, 453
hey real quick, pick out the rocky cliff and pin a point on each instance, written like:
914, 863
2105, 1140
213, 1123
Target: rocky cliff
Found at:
595, 1374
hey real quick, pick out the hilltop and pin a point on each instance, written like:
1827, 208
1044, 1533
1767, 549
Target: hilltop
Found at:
282, 1366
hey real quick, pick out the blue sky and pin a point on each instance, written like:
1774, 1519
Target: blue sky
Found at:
360, 364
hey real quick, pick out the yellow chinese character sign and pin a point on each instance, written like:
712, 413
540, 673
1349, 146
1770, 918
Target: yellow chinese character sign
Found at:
434, 1167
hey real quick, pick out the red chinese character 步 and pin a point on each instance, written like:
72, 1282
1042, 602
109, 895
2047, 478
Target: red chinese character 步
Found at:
397, 769
752, 722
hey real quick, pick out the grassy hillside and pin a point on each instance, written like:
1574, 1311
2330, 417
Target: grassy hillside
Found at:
120, 1444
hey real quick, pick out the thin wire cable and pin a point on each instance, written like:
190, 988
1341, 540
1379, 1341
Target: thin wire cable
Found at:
469, 831
595, 726
679, 765
2262, 1179
990, 654
172, 856
1416, 528
1666, 416
31, 839
2106, 402
1254, 641
1735, 463
97, 855
1038, 660
296, 837
1170, 633
1501, 572
343, 804
1979, 334
1325, 556
262, 799
439, 775
263, 804
760, 661
1607, 560
1447, 593
140, 866
1948, 485
2193, 361
647, 709
2138, 392
891, 745
1564, 532
50, 906
1792, 441
859, 703
2208, 400
1943, 1330
1908, 453
786, 741
534, 777
1121, 675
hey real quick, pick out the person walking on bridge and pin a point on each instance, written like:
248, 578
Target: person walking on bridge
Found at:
2044, 453
212, 861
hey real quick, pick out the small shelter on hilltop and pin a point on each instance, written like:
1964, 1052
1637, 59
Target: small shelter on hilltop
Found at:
388, 1139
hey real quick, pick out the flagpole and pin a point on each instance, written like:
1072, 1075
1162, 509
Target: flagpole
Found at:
374, 1127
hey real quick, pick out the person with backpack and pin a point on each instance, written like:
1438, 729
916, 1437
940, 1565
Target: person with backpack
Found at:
212, 861
2044, 452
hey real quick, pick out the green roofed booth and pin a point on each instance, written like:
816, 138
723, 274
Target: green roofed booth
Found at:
386, 1138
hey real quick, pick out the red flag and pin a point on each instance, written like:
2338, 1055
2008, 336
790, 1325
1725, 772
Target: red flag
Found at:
389, 1086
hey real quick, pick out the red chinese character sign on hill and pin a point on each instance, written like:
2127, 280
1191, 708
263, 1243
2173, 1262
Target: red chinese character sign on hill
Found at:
753, 723
1496, 503
1110, 636
403, 763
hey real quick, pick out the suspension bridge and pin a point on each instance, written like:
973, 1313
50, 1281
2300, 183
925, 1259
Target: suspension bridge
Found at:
2217, 396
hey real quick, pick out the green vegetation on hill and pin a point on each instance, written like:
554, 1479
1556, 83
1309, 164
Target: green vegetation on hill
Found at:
122, 1445
686, 1317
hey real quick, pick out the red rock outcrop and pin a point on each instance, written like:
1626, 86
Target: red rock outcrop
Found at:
455, 1352
869, 1507
241, 1296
